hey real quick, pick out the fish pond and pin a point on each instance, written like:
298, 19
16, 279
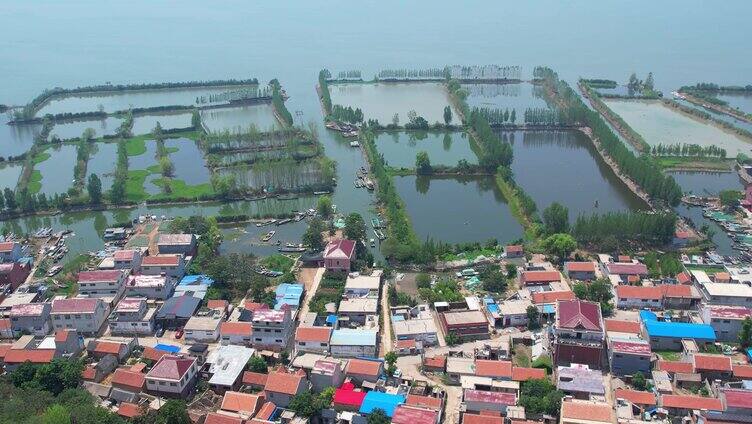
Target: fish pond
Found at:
444, 148
54, 169
658, 124
239, 119
381, 101
144, 166
9, 174
74, 129
102, 161
16, 139
188, 161
112, 102
516, 97
457, 210
704, 183
564, 167
146, 123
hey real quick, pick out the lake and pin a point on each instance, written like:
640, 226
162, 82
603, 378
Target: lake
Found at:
381, 101
57, 170
16, 139
741, 101
457, 210
444, 148
564, 167
703, 183
239, 119
74, 129
103, 161
9, 174
658, 124
516, 97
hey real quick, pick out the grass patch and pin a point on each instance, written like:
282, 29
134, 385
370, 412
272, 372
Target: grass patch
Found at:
134, 186
716, 164
180, 190
35, 182
399, 172
472, 254
136, 146
522, 356
668, 355
278, 262
40, 157
710, 269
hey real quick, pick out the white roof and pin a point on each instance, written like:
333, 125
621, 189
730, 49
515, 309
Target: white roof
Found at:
360, 305
203, 323
414, 327
514, 307
700, 275
740, 273
457, 365
473, 303
227, 363
17, 299
728, 290
367, 282
47, 343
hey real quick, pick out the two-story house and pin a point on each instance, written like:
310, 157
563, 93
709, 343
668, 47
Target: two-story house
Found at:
578, 333
177, 244
236, 333
10, 251
169, 265
31, 318
172, 376
281, 387
338, 255
271, 329
87, 315
312, 339
158, 287
132, 316
104, 284
127, 259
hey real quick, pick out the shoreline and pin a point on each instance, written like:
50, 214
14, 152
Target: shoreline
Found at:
716, 108
609, 115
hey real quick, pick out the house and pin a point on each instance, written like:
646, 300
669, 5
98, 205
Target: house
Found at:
625, 270
281, 387
172, 376
459, 367
288, 295
539, 278
127, 259
85, 315
193, 285
203, 328
271, 329
641, 399
312, 339
176, 244
10, 251
486, 418
407, 414
629, 356
733, 294
15, 357
126, 384
100, 348
427, 402
360, 370
169, 265
639, 297
347, 398
358, 285
481, 400
678, 296
31, 318
351, 343
674, 367
513, 313
514, 251
737, 401
669, 335
223, 418
742, 372
582, 271
499, 370
327, 373
13, 274
254, 380
236, 333
466, 325
105, 284
133, 317
585, 412
357, 310
339, 254
244, 405
680, 405
578, 333
224, 367
418, 330
435, 364
580, 382
176, 311
542, 298
157, 287
387, 402
725, 320
622, 329
713, 367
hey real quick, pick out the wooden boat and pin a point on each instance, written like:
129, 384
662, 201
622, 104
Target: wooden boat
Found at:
283, 221
268, 236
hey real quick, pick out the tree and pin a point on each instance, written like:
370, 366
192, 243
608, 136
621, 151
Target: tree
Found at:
560, 245
173, 412
166, 166
423, 163
511, 270
391, 363
539, 396
88, 134
638, 381
493, 279
395, 120
377, 416
196, 120
56, 414
544, 362
745, 335
324, 206
513, 116
423, 281
556, 218
730, 198
355, 227
303, 404
313, 238
649, 83
447, 115
533, 317
10, 199
257, 364
598, 291
2, 203
451, 339
94, 187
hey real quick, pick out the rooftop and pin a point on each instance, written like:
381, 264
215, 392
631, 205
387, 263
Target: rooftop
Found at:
524, 374
282, 382
268, 315
217, 418
619, 326
639, 292
124, 255
130, 304
385, 401
405, 414
552, 296
346, 395
464, 318
728, 312
161, 260
363, 367
630, 268
180, 306
227, 364
29, 309
100, 276
481, 419
501, 398
712, 363
578, 315
638, 398
579, 266
351, 337
245, 403
171, 367
174, 239
236, 329
738, 398
146, 281
366, 282
583, 380
631, 346
359, 306
339, 249
682, 330
674, 366
255, 378
498, 369
587, 411
728, 290
691, 402
80, 305
533, 277
128, 378
424, 402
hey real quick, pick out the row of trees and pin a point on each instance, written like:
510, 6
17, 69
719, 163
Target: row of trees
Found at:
544, 116
232, 95
645, 88
279, 103
497, 116
126, 127
495, 153
118, 191
347, 114
435, 73
692, 150
326, 97
645, 228
484, 72
642, 170
352, 75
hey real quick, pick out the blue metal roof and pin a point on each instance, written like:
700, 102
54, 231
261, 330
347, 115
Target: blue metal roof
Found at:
646, 315
680, 330
549, 309
384, 401
331, 319
288, 294
350, 337
749, 354
198, 279
167, 348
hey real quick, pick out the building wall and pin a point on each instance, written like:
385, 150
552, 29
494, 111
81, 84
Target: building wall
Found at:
173, 388
13, 255
625, 364
337, 264
235, 339
171, 271
581, 275
726, 330
83, 322
202, 335
631, 303
132, 327
669, 343
353, 351
183, 249
158, 293
312, 347
102, 289
514, 320
38, 326
273, 335
321, 382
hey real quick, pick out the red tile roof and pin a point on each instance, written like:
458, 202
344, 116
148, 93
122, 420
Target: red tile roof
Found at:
691, 402
171, 367
683, 278
481, 419
712, 363
161, 260
35, 356
242, 402
742, 371
253, 306
672, 367
629, 268
62, 335
280, 382
499, 369
80, 305
535, 277
89, 373
27, 310
363, 367
580, 266
129, 379
152, 354
514, 248
424, 401
405, 414
524, 373
728, 312
4, 348
639, 292
313, 334
678, 291
124, 255
266, 411
100, 276
215, 418
6, 246
738, 398
501, 398
587, 411
405, 344
578, 314
552, 296
217, 304
254, 378
622, 326
631, 347
435, 362
339, 249
638, 398
236, 328
129, 410
108, 348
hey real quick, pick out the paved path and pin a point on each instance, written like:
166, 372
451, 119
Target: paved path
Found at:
386, 330
311, 292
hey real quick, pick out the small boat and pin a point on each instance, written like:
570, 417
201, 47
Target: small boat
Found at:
369, 185
54, 270
354, 143
283, 221
292, 248
379, 234
265, 223
358, 184
373, 243
363, 169
319, 193
268, 236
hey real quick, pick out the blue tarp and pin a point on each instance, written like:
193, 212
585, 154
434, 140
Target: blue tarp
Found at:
749, 354
331, 319
198, 279
549, 309
680, 330
493, 308
647, 316
167, 348
385, 401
